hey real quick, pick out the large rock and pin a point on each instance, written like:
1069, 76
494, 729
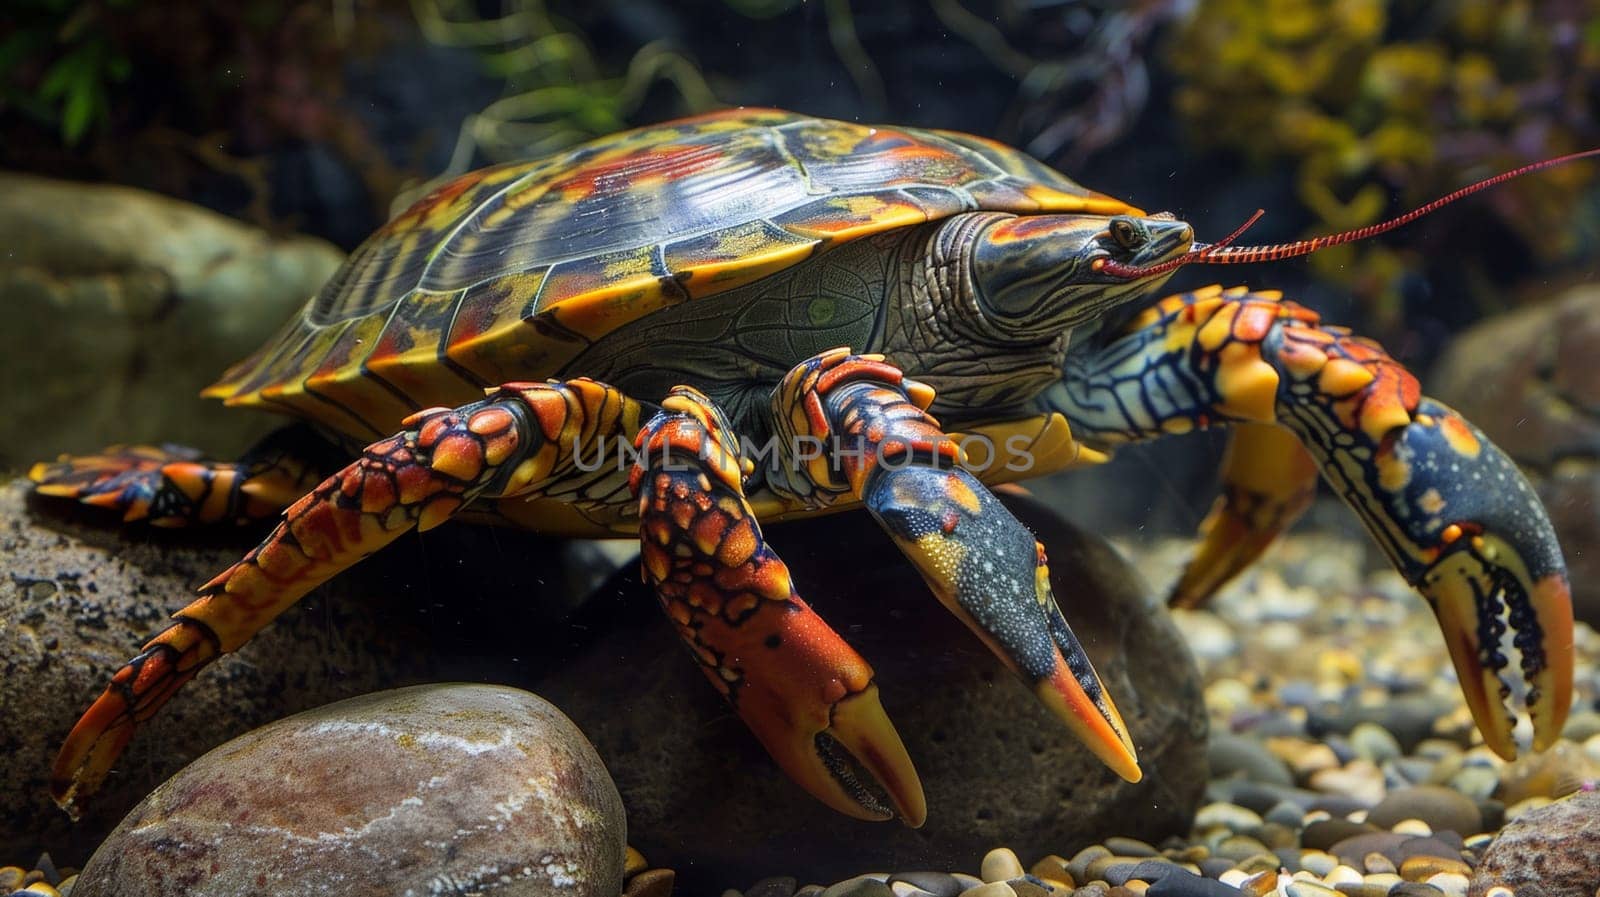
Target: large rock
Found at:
997, 768
1553, 851
77, 600
117, 300
1528, 378
461, 789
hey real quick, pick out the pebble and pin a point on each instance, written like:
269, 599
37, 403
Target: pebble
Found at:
1377, 863
1233, 755
988, 889
1303, 757
1054, 868
1374, 743
633, 862
1240, 847
1440, 807
1286, 813
1412, 827
1230, 816
1452, 883
1149, 871
939, 884
1130, 847
1028, 887
1475, 782
1260, 884
651, 883
1317, 861
1001, 864
1078, 866
868, 886
1359, 780
1185, 886
1324, 834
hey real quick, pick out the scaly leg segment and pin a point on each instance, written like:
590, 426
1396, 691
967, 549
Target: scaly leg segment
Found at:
1268, 481
522, 435
172, 486
1450, 510
878, 444
805, 694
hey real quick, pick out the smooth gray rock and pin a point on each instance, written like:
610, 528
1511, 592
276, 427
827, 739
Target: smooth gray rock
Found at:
461, 788
121, 305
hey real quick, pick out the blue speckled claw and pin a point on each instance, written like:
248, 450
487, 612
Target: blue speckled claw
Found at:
990, 572
1481, 549
977, 558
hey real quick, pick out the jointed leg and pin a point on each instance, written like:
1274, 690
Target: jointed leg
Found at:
174, 486
1450, 509
1268, 481
805, 693
881, 446
509, 443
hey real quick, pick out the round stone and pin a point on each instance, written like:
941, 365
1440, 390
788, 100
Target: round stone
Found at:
1236, 755
487, 788
1373, 742
1000, 864
1440, 807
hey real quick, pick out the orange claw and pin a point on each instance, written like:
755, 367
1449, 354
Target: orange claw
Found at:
136, 692
804, 692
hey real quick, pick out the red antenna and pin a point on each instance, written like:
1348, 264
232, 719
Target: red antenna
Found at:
1224, 254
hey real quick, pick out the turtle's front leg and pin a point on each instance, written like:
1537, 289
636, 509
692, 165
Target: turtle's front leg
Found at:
1451, 511
806, 694
522, 435
875, 441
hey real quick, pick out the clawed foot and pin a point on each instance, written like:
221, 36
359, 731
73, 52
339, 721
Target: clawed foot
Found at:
805, 693
1490, 567
174, 486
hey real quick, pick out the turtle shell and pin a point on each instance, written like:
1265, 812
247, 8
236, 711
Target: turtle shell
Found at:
510, 272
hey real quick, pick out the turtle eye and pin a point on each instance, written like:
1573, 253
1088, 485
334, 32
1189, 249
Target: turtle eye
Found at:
1126, 233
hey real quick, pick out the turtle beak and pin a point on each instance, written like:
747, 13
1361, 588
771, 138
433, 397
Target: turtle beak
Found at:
835, 750
1477, 591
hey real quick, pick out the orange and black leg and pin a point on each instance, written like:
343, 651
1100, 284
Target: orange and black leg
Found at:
806, 694
510, 443
875, 442
1451, 511
172, 486
1268, 481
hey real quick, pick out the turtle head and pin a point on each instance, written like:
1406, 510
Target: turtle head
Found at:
1037, 275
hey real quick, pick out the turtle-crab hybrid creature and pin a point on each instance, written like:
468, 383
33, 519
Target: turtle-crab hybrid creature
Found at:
606, 342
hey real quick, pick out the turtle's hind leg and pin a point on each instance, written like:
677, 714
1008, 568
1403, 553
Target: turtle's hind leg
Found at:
511, 443
174, 486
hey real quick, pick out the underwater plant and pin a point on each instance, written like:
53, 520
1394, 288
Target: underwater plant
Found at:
1358, 94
